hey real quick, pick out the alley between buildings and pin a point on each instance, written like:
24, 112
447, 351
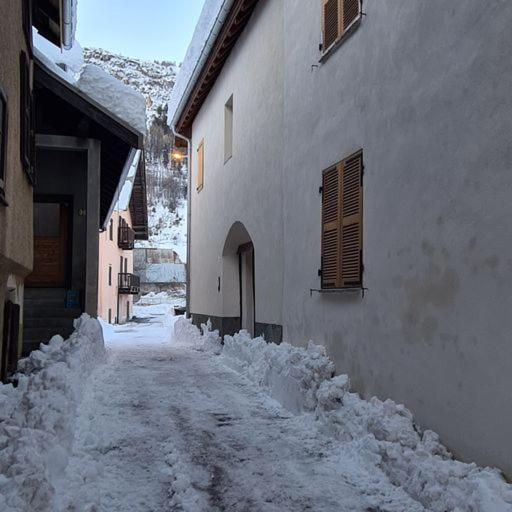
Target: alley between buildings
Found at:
165, 427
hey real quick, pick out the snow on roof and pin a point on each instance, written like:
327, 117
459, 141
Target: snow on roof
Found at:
66, 63
126, 192
196, 48
118, 98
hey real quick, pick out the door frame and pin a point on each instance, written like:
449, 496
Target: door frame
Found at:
63, 199
245, 248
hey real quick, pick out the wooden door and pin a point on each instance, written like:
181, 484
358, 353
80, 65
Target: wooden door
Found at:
50, 245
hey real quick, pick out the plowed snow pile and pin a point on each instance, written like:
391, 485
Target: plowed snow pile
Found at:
380, 437
37, 418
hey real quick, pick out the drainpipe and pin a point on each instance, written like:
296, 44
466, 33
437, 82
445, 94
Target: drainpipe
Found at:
68, 23
189, 212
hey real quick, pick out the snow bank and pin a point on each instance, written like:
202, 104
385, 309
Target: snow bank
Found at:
37, 417
380, 436
204, 340
291, 375
118, 98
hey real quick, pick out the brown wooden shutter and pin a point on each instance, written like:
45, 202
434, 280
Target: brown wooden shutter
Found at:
350, 12
331, 22
331, 222
351, 221
200, 166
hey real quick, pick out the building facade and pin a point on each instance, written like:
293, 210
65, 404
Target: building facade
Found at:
351, 185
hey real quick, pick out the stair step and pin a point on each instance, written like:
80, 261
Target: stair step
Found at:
47, 321
45, 312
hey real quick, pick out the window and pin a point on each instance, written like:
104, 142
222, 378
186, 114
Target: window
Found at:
109, 316
342, 216
110, 275
27, 121
111, 229
3, 141
126, 265
228, 129
337, 17
120, 264
200, 166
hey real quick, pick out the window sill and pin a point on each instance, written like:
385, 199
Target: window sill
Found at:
351, 289
346, 35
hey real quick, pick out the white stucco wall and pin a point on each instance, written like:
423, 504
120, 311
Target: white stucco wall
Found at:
248, 187
424, 89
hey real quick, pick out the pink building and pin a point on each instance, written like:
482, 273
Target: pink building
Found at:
117, 284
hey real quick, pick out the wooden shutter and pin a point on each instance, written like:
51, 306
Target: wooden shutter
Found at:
331, 222
342, 211
331, 22
200, 166
350, 12
351, 220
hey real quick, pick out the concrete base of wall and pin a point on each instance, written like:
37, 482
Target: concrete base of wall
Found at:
230, 325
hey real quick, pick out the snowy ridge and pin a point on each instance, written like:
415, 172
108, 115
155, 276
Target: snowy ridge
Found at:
380, 439
37, 418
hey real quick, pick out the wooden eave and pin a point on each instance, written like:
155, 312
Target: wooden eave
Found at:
138, 202
87, 105
233, 27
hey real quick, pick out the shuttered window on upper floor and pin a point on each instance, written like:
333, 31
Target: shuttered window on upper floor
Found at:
3, 140
337, 17
27, 119
200, 166
342, 223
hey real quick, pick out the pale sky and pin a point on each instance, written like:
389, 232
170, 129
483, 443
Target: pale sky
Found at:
147, 29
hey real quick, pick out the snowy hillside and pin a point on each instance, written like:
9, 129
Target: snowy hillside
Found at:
166, 178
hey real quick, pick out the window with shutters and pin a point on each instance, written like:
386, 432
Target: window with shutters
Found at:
110, 275
342, 223
200, 166
111, 230
338, 16
3, 142
27, 121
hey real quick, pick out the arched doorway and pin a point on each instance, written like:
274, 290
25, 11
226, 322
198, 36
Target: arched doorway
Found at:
238, 286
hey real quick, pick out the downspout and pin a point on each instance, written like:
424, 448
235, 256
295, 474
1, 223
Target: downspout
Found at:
68, 23
189, 213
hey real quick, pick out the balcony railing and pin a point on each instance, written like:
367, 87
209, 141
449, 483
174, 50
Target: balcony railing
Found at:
129, 284
125, 238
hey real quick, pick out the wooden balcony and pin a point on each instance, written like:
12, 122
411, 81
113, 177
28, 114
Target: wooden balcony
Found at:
128, 284
125, 238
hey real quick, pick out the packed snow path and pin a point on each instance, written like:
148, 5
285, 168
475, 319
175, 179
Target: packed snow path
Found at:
165, 427
171, 429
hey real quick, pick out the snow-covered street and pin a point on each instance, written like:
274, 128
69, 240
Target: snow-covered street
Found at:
164, 426
167, 425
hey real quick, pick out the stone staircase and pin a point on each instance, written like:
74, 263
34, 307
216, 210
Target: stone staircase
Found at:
44, 315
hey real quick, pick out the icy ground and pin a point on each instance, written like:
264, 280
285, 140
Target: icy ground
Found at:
166, 418
167, 425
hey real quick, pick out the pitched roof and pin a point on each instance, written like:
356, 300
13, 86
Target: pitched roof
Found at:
219, 27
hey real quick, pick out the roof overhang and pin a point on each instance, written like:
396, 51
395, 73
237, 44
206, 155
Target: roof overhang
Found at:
138, 202
62, 109
232, 28
87, 105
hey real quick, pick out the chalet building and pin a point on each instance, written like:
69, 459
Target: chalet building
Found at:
84, 153
118, 284
54, 21
351, 175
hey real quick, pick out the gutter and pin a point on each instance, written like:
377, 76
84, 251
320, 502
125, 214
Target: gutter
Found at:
68, 23
189, 215
205, 53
